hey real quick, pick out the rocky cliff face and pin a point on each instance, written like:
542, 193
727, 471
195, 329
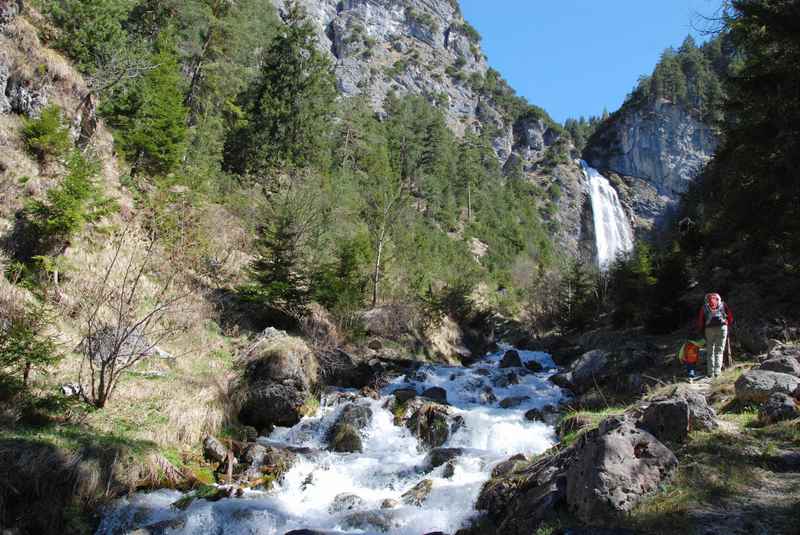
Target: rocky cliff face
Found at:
657, 151
425, 47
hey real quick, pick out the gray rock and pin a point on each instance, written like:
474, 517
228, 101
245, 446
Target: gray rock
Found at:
782, 364
487, 396
71, 390
418, 493
430, 423
759, 385
390, 503
701, 416
511, 359
616, 465
439, 456
214, 450
661, 144
404, 394
513, 401
534, 366
668, 420
449, 470
483, 371
600, 477
344, 435
345, 502
779, 407
436, 393
382, 520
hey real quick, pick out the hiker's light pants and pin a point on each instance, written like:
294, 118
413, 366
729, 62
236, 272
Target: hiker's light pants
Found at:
715, 347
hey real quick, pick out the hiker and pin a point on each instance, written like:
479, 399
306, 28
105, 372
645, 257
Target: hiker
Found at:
689, 355
713, 321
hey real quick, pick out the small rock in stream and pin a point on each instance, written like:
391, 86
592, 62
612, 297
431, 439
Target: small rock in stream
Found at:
418, 493
436, 393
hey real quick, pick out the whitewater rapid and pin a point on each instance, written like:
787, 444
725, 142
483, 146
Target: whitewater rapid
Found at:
613, 233
392, 462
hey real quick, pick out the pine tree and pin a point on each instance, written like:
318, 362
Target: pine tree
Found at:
288, 109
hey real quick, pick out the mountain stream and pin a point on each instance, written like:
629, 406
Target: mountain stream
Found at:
349, 492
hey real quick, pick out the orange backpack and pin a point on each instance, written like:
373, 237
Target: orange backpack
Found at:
690, 353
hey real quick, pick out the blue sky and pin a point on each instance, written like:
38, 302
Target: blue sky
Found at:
575, 57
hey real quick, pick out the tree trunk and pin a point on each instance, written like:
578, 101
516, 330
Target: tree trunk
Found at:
377, 273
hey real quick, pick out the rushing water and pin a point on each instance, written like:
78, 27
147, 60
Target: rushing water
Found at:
613, 234
392, 462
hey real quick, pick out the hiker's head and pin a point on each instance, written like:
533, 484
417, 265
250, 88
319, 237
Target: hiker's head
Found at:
713, 300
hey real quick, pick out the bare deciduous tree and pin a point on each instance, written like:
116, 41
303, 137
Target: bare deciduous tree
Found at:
130, 314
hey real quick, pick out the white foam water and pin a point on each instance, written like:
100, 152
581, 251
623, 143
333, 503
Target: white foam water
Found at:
392, 463
613, 233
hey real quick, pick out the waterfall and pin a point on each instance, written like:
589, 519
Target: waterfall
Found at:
613, 234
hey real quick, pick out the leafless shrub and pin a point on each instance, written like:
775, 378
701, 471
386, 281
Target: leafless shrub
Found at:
129, 314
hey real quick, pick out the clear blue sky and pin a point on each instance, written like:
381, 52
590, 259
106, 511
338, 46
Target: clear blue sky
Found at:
575, 57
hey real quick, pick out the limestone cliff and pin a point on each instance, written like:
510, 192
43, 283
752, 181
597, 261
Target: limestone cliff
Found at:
425, 47
657, 150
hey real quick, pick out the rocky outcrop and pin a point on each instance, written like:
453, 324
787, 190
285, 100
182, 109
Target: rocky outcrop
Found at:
758, 385
604, 474
279, 374
659, 149
779, 407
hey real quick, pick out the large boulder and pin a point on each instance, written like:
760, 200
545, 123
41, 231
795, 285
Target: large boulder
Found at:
599, 478
779, 407
759, 385
782, 364
616, 465
339, 368
439, 456
280, 373
214, 450
436, 393
673, 414
590, 368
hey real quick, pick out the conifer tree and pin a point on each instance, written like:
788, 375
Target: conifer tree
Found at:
288, 109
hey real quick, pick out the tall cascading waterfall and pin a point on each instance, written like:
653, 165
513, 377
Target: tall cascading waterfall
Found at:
613, 233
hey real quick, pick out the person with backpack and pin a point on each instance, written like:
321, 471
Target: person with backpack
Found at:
714, 320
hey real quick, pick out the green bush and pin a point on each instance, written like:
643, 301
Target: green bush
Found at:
47, 136
23, 346
49, 224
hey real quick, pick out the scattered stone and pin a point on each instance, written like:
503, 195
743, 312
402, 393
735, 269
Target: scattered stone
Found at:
439, 456
390, 503
418, 493
345, 502
382, 520
404, 394
487, 396
513, 401
511, 359
513, 378
430, 424
759, 385
534, 366
214, 450
779, 407
375, 344
483, 371
510, 465
346, 439
782, 364
449, 470
370, 393
668, 420
436, 393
